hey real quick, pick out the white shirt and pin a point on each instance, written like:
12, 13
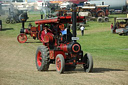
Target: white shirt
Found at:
82, 28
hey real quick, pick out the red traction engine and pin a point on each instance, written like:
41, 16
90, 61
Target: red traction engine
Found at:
62, 50
34, 32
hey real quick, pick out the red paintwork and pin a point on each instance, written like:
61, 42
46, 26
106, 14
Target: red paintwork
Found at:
70, 63
58, 64
107, 12
22, 38
27, 31
33, 34
64, 19
46, 37
63, 47
73, 1
80, 63
59, 52
54, 53
46, 21
39, 58
38, 27
33, 29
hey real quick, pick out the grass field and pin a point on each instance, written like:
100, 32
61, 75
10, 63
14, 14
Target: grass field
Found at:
109, 51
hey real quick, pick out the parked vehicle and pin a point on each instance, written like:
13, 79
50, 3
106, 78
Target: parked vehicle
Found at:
92, 11
15, 16
121, 26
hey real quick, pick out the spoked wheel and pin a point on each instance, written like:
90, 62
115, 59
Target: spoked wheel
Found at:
60, 63
7, 20
12, 21
88, 66
22, 38
42, 58
39, 36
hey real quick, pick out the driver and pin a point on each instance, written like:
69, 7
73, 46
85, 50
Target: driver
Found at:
45, 31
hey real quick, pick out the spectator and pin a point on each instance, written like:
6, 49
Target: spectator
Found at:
112, 28
82, 29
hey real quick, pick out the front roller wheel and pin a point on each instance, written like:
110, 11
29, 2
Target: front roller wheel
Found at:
88, 66
42, 58
22, 38
60, 63
99, 19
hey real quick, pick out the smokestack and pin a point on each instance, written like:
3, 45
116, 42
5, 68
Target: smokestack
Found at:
102, 3
74, 19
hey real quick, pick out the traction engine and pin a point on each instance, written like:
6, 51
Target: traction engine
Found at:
34, 32
60, 49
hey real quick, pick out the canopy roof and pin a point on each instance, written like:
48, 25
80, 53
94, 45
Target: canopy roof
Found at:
122, 18
62, 19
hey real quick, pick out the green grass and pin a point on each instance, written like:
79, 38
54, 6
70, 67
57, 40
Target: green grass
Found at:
105, 46
98, 39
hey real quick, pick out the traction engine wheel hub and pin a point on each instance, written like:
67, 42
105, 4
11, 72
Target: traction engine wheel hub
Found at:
58, 62
39, 59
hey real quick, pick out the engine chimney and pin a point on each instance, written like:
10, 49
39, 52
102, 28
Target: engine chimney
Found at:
74, 19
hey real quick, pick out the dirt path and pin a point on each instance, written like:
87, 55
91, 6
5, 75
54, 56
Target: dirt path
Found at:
17, 67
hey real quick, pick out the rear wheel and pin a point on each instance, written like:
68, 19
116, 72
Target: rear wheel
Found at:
88, 66
7, 20
60, 63
12, 21
22, 38
42, 58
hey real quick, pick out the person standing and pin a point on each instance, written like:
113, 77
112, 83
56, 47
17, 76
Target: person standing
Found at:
112, 28
82, 29
0, 24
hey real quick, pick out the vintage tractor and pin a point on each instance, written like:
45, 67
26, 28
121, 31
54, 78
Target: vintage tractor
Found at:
60, 49
92, 11
15, 15
31, 30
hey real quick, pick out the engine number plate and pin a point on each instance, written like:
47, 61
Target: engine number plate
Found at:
75, 38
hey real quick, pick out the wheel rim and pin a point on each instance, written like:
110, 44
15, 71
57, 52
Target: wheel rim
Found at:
22, 38
58, 64
7, 21
39, 59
